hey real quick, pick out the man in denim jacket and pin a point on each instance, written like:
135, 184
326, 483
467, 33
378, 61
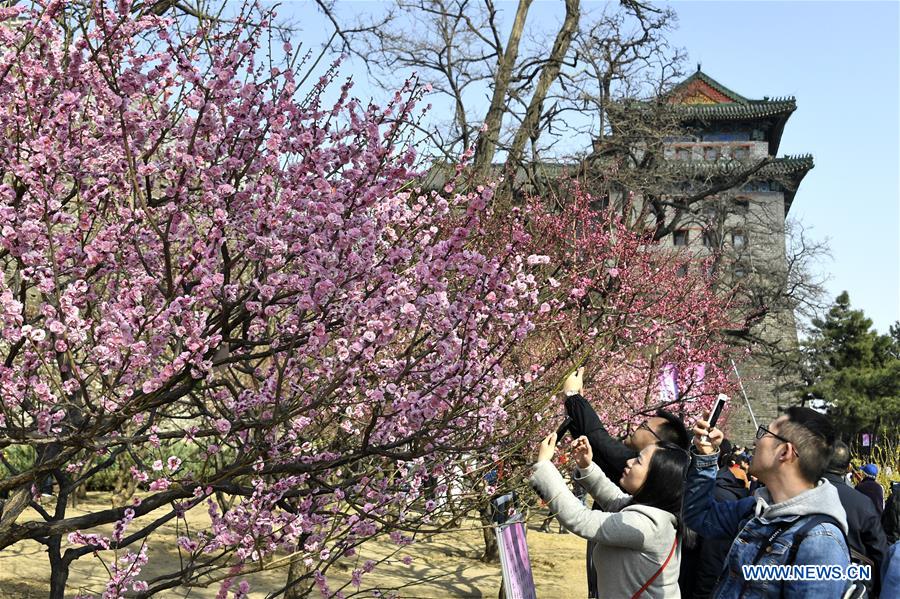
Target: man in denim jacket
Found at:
790, 458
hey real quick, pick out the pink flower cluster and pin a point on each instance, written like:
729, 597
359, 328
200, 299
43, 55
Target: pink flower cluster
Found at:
247, 294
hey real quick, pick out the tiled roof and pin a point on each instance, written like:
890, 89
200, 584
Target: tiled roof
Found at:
732, 105
734, 111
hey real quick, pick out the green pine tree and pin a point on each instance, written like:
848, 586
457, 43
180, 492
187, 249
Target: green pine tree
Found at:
854, 369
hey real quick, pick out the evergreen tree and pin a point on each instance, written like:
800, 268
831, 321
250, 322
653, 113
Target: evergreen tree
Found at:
854, 369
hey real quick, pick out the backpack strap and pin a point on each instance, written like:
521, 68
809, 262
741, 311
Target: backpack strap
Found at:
796, 541
803, 531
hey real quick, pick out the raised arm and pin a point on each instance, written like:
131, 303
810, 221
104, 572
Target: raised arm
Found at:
710, 518
592, 479
621, 529
609, 453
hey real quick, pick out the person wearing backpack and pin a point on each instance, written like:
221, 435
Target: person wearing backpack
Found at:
796, 519
637, 532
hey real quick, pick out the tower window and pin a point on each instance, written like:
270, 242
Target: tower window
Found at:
711, 153
680, 237
741, 152
709, 239
739, 240
683, 154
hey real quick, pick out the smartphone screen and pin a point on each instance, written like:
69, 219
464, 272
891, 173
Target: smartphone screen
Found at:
717, 411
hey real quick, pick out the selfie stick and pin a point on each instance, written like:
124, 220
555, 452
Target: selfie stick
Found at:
747, 401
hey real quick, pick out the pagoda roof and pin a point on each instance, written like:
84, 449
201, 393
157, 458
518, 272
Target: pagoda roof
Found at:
702, 98
700, 82
778, 166
738, 112
789, 171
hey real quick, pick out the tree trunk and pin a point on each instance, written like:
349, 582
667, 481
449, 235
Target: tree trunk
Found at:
59, 569
124, 490
296, 571
487, 141
548, 75
491, 549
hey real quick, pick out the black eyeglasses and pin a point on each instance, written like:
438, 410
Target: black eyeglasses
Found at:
646, 426
763, 431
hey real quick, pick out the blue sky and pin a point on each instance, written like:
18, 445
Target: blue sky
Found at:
842, 62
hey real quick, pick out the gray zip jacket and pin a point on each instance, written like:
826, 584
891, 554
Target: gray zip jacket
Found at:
632, 541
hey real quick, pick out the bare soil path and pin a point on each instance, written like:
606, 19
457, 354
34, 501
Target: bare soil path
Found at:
446, 566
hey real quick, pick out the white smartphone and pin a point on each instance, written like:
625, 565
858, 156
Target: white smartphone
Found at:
716, 412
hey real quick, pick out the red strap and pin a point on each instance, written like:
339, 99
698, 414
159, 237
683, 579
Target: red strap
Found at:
658, 572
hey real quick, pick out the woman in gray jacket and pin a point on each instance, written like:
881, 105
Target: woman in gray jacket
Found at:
636, 532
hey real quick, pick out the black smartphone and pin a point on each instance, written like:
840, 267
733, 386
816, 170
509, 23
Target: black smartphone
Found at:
563, 429
717, 410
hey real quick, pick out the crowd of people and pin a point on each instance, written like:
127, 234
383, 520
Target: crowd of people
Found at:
676, 514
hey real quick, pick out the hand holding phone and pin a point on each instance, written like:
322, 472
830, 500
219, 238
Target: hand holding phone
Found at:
716, 412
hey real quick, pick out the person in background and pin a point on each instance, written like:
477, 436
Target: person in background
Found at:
635, 533
869, 487
738, 465
890, 520
865, 535
743, 460
610, 454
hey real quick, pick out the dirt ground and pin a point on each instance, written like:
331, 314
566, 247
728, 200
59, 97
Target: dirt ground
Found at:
446, 566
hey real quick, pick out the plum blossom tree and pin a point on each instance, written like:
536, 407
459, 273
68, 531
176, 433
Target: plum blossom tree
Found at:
192, 256
629, 306
211, 275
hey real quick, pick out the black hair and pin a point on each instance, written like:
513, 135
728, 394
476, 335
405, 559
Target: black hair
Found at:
673, 430
726, 450
840, 458
664, 486
813, 437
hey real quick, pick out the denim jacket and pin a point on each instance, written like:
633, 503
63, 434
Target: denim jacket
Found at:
752, 520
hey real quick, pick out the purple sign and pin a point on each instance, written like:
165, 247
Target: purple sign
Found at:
517, 579
668, 384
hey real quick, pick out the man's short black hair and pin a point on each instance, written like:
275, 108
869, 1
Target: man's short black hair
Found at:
813, 437
673, 430
840, 458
